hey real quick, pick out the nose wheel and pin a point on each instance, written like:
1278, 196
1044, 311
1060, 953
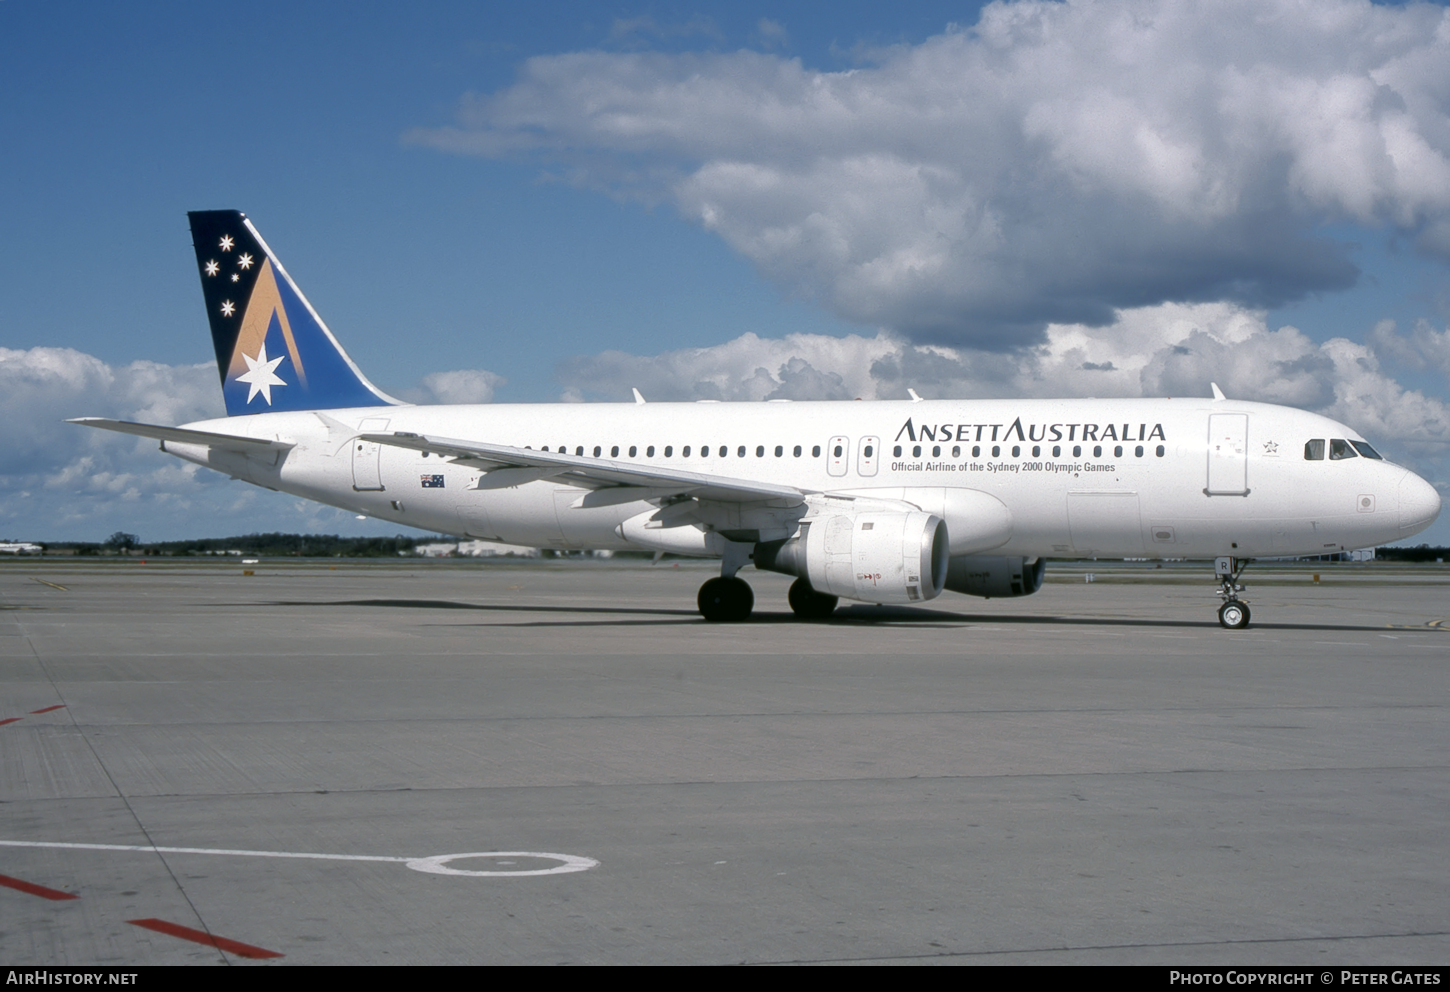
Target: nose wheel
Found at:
1234, 613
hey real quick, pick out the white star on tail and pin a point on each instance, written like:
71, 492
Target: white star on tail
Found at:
261, 374
245, 261
227, 242
211, 268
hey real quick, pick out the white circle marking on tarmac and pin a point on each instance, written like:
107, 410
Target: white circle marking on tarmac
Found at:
435, 865
438, 864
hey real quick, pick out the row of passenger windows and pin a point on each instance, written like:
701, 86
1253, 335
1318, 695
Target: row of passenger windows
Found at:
936, 451
1339, 449
704, 451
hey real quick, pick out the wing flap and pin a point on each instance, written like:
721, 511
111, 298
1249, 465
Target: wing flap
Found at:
592, 473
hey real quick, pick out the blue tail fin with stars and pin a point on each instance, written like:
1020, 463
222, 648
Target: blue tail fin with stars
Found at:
273, 351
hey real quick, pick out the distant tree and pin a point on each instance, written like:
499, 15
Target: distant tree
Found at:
122, 541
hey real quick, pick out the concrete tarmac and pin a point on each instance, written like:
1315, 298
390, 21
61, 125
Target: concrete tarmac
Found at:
1095, 774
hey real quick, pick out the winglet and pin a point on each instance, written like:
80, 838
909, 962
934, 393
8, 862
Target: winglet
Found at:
1217, 393
638, 398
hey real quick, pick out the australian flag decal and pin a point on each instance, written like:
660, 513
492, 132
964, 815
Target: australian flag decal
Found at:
432, 482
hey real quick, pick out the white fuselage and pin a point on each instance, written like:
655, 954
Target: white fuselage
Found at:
1146, 478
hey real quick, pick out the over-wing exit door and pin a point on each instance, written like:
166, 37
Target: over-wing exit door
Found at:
1228, 450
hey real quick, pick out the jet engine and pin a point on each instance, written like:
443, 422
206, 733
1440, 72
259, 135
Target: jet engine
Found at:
873, 556
994, 575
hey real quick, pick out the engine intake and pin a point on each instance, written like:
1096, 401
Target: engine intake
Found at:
871, 556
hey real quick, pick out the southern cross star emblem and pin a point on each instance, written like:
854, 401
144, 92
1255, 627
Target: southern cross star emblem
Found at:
236, 278
227, 242
228, 308
261, 374
212, 268
245, 261
1271, 447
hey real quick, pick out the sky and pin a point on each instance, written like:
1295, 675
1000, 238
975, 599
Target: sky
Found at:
520, 203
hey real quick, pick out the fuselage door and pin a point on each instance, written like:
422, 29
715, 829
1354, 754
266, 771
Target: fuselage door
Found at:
366, 471
867, 460
838, 456
1228, 448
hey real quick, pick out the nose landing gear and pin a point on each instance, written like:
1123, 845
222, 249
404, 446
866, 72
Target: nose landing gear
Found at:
1234, 613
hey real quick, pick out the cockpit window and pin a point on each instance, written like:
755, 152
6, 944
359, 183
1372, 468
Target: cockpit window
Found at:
1364, 448
1314, 450
1339, 450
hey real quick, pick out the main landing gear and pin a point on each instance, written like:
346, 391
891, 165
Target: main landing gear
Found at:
728, 599
1234, 613
809, 604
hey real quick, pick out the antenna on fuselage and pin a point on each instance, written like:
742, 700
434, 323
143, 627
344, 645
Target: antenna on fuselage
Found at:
1217, 393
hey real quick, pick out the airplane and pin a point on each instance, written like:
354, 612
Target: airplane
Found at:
886, 502
20, 548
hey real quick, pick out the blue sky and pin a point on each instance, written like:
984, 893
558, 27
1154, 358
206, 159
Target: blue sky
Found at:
427, 175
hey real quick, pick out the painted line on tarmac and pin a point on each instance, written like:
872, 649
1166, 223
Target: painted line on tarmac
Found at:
12, 719
57, 706
437, 864
20, 885
53, 585
202, 937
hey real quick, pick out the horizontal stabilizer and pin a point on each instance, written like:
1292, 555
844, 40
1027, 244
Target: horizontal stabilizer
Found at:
226, 442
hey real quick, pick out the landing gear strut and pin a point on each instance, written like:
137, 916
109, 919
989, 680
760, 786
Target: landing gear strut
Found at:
1234, 613
728, 599
809, 604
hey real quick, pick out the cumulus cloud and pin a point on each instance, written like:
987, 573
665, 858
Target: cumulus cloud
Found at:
1055, 164
458, 386
1164, 350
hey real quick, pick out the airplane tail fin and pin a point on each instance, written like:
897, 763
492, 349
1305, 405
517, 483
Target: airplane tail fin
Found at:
272, 349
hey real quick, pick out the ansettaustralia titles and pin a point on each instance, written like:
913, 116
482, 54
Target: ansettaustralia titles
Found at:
1049, 432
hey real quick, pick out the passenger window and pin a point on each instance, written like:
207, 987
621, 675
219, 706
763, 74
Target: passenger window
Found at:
1340, 450
760, 451
816, 451
632, 450
916, 451
1036, 451
725, 451
936, 451
1160, 451
1057, 451
797, 451
1097, 451
740, 453
1314, 450
704, 451
685, 451
1118, 451
1364, 449
1077, 451
1138, 451
614, 451
956, 451
869, 451
649, 452
1016, 451
779, 450
976, 451
896, 451
597, 449
669, 450
579, 451
996, 450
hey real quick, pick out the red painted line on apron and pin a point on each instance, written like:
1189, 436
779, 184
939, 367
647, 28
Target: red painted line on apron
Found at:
202, 937
35, 890
10, 720
57, 706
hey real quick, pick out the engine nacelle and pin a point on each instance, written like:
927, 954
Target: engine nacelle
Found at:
993, 575
873, 556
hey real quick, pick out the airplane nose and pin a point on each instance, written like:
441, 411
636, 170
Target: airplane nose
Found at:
1419, 504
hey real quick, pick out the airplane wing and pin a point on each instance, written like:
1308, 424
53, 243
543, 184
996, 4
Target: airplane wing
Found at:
227, 442
614, 481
